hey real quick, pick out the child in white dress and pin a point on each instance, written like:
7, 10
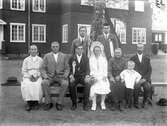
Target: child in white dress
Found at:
130, 77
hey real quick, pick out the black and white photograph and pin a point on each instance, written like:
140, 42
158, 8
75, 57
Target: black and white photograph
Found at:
83, 62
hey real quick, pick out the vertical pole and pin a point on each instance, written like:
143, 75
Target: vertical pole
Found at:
29, 25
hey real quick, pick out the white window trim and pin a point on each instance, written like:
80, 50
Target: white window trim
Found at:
1, 3
63, 39
42, 11
11, 24
87, 25
23, 9
143, 6
119, 8
38, 25
140, 29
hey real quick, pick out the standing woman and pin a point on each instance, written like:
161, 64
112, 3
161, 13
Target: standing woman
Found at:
31, 84
116, 66
98, 73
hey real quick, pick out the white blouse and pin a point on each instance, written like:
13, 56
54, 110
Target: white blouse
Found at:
31, 66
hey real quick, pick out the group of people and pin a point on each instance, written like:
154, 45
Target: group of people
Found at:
99, 66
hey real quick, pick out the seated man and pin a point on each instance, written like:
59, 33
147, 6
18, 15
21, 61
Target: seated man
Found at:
55, 69
142, 66
79, 69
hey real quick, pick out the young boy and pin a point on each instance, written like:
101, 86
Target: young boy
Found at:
130, 77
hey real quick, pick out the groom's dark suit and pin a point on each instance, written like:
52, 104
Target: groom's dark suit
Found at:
81, 70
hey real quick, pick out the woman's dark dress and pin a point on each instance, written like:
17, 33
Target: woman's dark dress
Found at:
116, 66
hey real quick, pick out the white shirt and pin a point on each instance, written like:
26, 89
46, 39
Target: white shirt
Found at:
130, 77
140, 57
111, 48
81, 38
106, 35
55, 56
34, 58
79, 58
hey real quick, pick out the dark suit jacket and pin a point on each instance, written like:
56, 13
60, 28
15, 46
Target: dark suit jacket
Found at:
82, 68
101, 38
86, 45
52, 69
144, 68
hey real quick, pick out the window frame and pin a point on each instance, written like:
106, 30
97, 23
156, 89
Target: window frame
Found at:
87, 25
41, 11
137, 28
38, 25
1, 4
63, 33
119, 8
114, 21
23, 9
137, 10
24, 32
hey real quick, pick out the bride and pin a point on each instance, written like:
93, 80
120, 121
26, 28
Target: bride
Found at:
98, 72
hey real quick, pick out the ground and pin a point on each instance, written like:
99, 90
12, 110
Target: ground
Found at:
12, 106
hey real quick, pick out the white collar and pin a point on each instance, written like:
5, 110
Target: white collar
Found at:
82, 38
79, 58
106, 34
34, 58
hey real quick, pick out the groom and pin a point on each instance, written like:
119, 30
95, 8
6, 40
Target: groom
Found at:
79, 70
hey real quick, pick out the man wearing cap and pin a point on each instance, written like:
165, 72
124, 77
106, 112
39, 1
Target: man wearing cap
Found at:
143, 66
79, 70
82, 39
108, 40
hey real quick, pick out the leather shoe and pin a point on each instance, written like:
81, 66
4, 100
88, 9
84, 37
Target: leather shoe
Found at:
28, 108
85, 108
136, 106
48, 106
59, 107
74, 106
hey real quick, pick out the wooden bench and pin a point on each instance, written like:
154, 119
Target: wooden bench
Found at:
55, 90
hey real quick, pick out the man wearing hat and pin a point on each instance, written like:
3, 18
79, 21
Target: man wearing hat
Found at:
143, 66
79, 71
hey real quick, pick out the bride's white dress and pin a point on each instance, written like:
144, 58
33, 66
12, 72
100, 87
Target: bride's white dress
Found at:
99, 70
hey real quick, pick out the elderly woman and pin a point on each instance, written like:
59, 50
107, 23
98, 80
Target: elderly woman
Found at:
98, 72
116, 66
31, 84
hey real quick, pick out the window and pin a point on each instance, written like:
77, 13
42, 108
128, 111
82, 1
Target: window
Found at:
120, 29
158, 37
38, 33
87, 2
17, 5
138, 35
1, 4
39, 5
17, 32
118, 4
88, 28
139, 5
65, 33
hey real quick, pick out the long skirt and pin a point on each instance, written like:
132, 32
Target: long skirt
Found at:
100, 87
31, 90
118, 91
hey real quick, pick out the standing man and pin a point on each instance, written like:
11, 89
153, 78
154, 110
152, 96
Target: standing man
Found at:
55, 69
79, 70
108, 40
82, 39
142, 66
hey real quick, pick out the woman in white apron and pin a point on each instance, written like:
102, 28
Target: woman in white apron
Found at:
31, 84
